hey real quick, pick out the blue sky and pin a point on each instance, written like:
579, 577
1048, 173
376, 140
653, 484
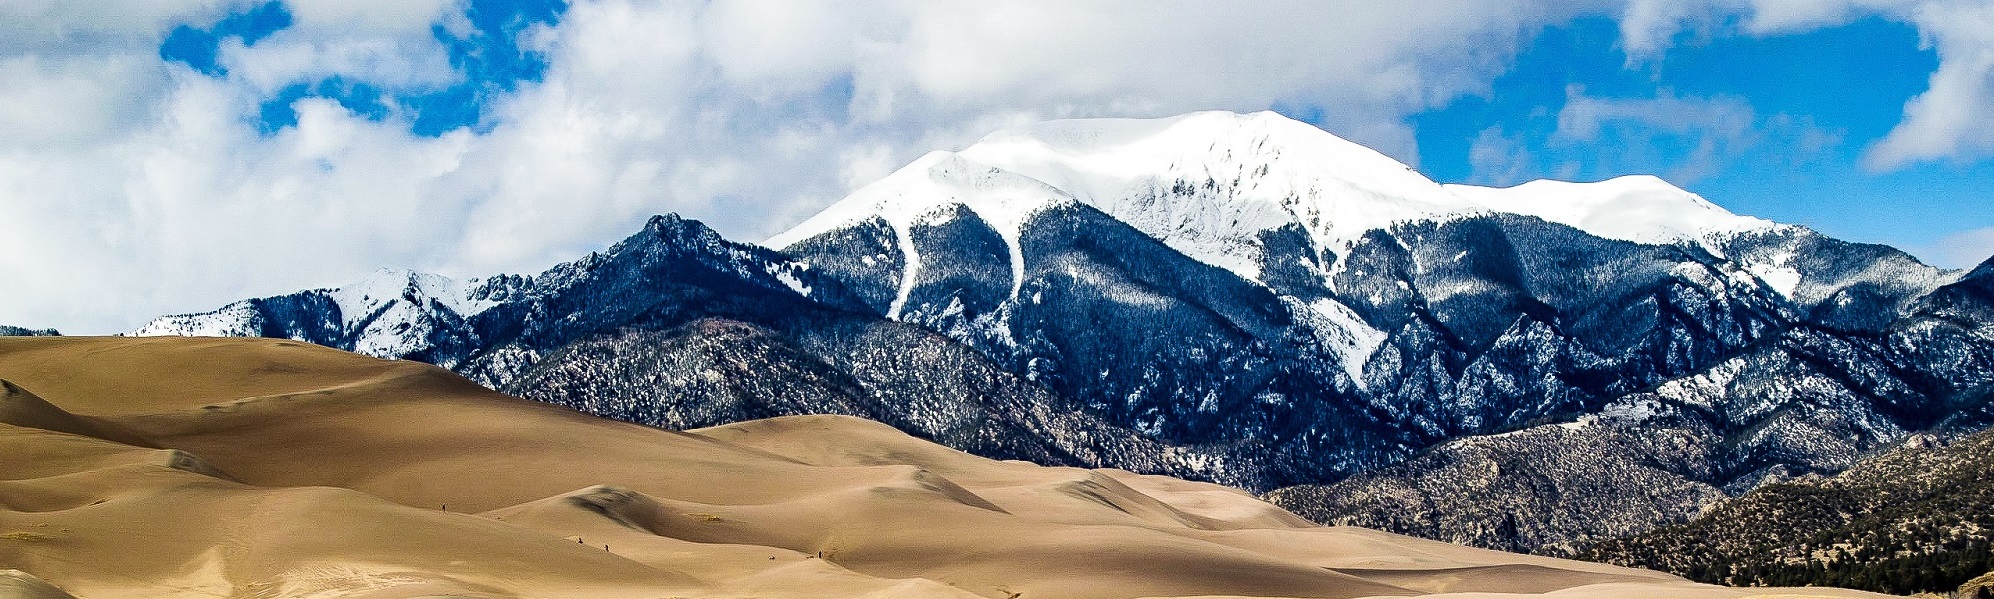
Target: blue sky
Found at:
1813, 102
168, 156
487, 54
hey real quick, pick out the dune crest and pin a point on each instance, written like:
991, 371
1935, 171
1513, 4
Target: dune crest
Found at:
263, 468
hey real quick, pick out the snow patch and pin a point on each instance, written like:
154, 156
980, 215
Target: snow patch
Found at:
1777, 273
1339, 329
788, 277
910, 265
1707, 389
389, 314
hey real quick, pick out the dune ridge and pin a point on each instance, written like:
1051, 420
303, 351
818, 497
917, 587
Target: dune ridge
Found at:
188, 467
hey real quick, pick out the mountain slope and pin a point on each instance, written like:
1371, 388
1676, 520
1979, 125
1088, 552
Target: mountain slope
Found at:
1807, 402
1914, 520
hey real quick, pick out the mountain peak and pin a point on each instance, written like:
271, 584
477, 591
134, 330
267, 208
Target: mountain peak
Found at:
933, 190
1258, 160
1209, 183
674, 234
662, 223
929, 188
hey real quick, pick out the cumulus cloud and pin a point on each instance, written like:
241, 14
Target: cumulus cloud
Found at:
58, 101
1649, 27
1949, 120
28, 25
393, 59
370, 15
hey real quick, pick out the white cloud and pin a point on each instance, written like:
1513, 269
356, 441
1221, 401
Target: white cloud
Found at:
1685, 139
1963, 249
405, 61
785, 47
59, 101
410, 16
1770, 17
39, 24
1713, 129
1949, 120
1500, 159
1649, 27
1584, 117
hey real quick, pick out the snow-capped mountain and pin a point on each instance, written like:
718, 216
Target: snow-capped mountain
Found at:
393, 313
1335, 250
678, 327
1276, 202
1335, 306
1250, 300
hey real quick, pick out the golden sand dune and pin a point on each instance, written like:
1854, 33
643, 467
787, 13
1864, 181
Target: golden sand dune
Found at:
170, 467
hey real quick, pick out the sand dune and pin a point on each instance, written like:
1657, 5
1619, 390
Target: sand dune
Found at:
174, 467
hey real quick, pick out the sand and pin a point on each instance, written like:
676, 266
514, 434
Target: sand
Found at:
175, 467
